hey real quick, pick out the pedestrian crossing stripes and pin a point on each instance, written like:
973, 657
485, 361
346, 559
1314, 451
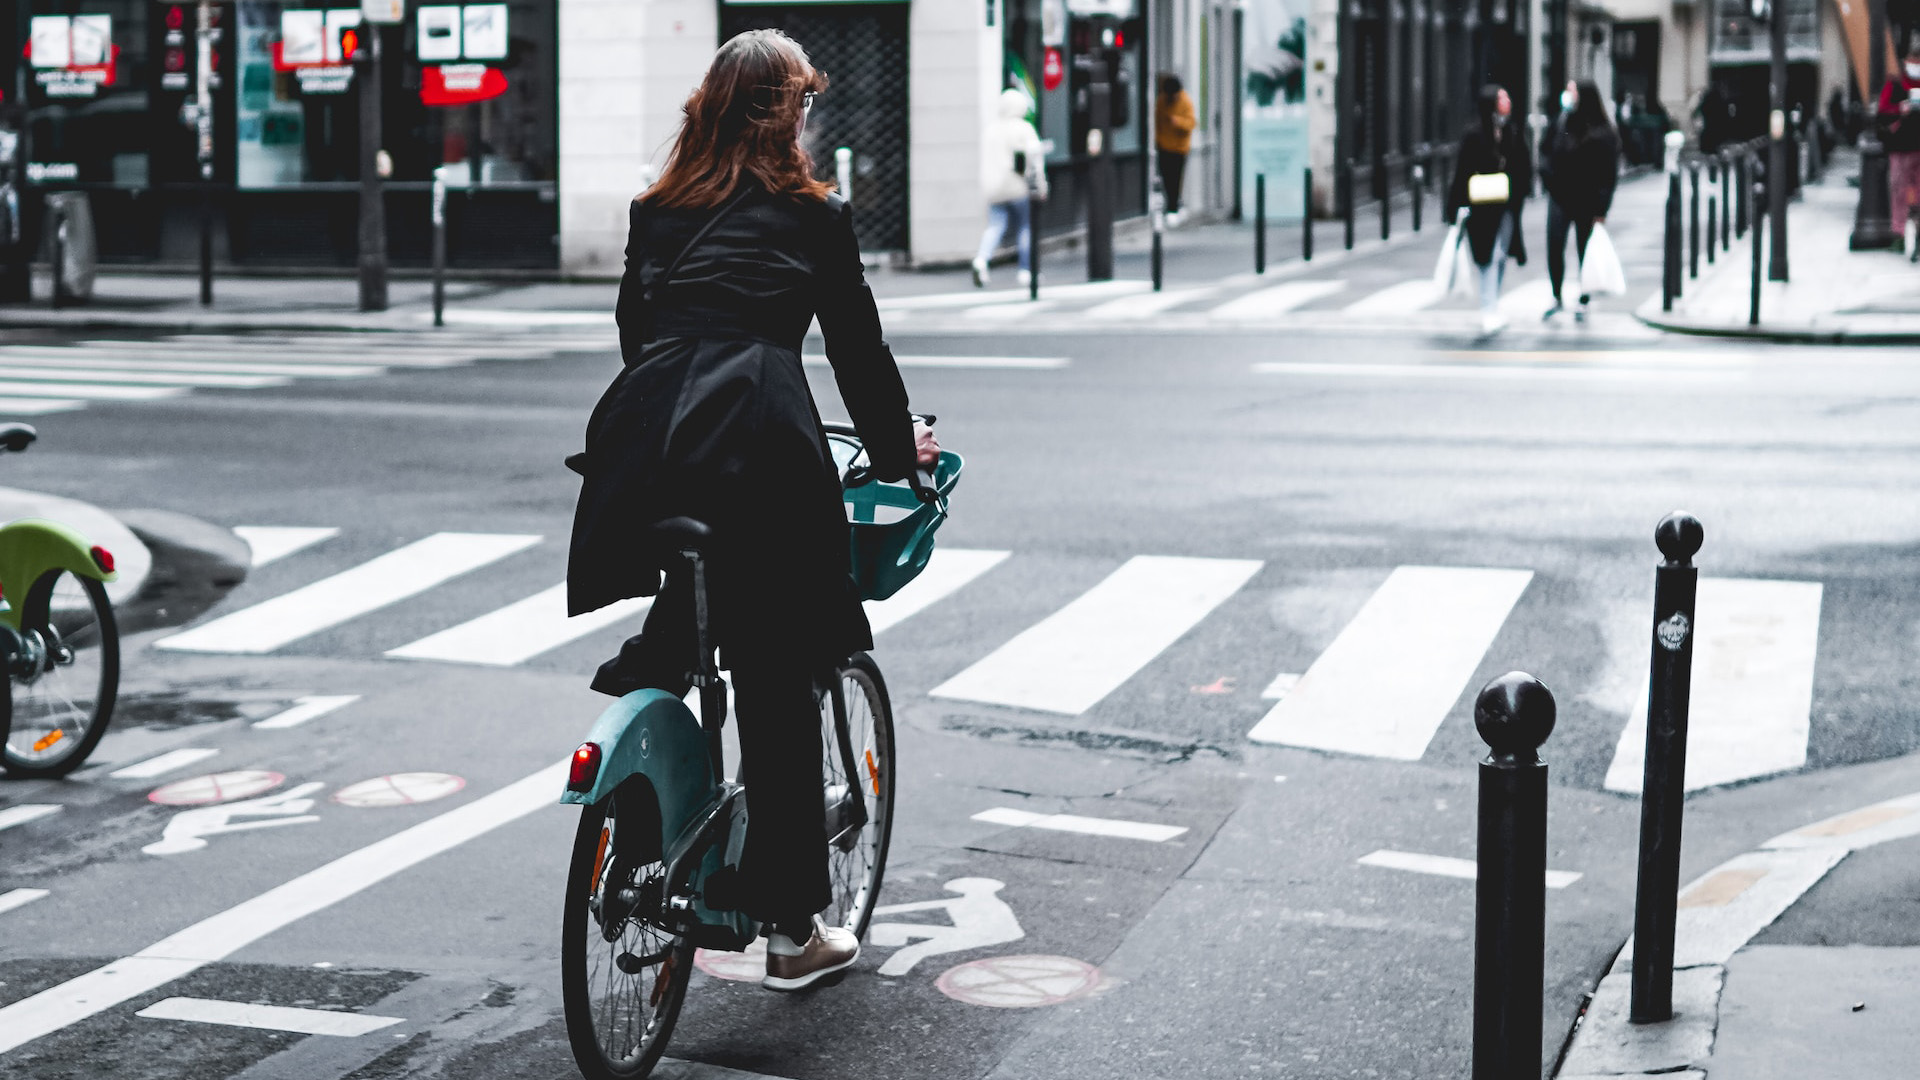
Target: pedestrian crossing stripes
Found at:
20, 898
1382, 685
41, 378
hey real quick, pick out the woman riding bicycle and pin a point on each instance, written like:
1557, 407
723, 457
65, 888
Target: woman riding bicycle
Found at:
730, 255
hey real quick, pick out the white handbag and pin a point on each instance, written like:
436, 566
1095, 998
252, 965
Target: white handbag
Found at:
1485, 189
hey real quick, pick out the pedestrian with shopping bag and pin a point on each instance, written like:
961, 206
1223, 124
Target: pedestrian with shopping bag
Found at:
1581, 170
1491, 178
1013, 176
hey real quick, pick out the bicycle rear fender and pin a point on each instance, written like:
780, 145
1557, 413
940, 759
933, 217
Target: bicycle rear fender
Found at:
32, 546
653, 734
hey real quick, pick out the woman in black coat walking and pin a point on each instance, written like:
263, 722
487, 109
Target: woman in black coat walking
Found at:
1493, 147
1580, 173
730, 256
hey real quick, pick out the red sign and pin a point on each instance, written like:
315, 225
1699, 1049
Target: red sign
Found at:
460, 84
1052, 70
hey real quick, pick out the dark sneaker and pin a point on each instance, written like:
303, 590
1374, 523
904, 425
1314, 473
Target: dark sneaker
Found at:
796, 966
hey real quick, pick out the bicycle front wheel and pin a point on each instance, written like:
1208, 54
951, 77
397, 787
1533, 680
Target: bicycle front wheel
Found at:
65, 677
859, 766
623, 971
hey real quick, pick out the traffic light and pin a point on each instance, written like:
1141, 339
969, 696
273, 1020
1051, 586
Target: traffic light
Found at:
349, 44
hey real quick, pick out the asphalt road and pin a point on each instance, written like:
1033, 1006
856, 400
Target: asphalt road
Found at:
1291, 499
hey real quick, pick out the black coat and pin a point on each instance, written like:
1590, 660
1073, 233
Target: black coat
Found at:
1480, 153
1582, 171
712, 418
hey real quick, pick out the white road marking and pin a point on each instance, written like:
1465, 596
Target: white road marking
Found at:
1754, 648
980, 918
1894, 819
1036, 363
1526, 303
295, 353
947, 571
372, 585
1722, 909
20, 898
267, 1017
1429, 626
1443, 866
1078, 291
520, 631
274, 542
1068, 661
1408, 296
93, 391
1128, 308
219, 936
1483, 372
304, 709
22, 813
1281, 686
1006, 313
108, 376
19, 406
1276, 299
188, 830
164, 763
526, 317
66, 357
1126, 830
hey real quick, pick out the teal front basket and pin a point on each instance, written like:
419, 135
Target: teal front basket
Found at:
892, 529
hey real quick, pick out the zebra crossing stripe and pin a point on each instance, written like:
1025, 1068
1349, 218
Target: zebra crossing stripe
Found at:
118, 360
1142, 307
1754, 647
353, 349
1070, 660
372, 585
267, 1017
304, 709
95, 391
520, 631
1532, 299
1085, 826
1277, 300
21, 813
163, 763
1408, 296
1037, 363
60, 373
273, 542
20, 898
946, 573
19, 406
1429, 626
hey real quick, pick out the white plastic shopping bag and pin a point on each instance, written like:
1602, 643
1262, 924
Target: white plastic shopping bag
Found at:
1443, 266
1600, 272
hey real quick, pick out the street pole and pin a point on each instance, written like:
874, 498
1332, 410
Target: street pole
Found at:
373, 211
1100, 178
1777, 183
1872, 215
203, 109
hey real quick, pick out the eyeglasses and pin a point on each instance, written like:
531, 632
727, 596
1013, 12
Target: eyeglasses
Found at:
806, 99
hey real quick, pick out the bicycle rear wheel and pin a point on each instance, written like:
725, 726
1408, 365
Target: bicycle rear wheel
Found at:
64, 680
623, 970
858, 764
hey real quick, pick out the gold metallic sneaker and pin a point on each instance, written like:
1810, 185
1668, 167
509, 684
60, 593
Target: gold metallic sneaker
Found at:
794, 966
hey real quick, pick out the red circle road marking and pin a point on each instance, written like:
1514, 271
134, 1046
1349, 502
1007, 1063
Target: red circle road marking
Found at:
747, 966
216, 788
1021, 982
399, 789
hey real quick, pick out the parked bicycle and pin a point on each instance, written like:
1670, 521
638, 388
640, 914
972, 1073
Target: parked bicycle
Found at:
58, 641
662, 827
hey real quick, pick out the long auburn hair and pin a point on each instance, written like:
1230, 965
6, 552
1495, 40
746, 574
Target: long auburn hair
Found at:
743, 121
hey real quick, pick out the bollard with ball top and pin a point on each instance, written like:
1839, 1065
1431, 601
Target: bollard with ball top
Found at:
1663, 786
1514, 714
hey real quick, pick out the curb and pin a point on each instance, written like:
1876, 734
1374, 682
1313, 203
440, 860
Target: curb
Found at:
1785, 335
1719, 913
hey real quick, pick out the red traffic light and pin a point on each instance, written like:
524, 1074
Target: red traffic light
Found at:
349, 44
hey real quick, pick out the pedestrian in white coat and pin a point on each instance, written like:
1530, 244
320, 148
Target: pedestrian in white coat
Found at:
1012, 174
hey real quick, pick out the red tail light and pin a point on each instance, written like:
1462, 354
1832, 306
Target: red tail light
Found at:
585, 768
102, 558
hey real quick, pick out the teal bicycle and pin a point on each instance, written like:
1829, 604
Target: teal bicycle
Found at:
661, 826
59, 644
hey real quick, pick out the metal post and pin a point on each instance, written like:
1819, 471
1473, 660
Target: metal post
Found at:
1693, 224
1759, 202
1663, 786
1873, 214
373, 208
1743, 187
843, 172
1100, 178
1670, 268
57, 222
1157, 211
1419, 186
1779, 182
1033, 250
1306, 215
439, 246
1346, 183
1514, 714
1713, 225
1726, 202
203, 130
1385, 184
1260, 223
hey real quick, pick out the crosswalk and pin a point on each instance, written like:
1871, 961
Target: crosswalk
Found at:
1381, 687
53, 377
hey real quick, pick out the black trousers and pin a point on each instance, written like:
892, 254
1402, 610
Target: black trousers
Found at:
783, 869
1557, 225
1173, 176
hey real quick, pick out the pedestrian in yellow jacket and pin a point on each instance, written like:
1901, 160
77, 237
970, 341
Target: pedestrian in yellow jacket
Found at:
1173, 124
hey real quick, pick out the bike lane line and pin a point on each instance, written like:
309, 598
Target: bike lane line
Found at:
219, 936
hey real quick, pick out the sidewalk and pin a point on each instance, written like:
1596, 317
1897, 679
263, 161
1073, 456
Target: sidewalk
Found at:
1834, 295
1798, 959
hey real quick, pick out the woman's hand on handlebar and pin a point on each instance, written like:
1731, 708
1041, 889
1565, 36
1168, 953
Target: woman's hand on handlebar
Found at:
926, 445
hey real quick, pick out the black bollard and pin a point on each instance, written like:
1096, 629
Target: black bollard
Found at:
1713, 225
1759, 203
1346, 204
1742, 185
1306, 216
1726, 202
1033, 251
1260, 223
1693, 225
1663, 787
1417, 187
1514, 714
1670, 256
439, 248
1385, 173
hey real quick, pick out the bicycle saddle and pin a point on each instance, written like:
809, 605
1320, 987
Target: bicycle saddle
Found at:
17, 436
680, 534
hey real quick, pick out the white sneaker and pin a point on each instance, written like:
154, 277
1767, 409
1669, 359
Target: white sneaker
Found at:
1025, 278
1556, 309
980, 275
1492, 323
